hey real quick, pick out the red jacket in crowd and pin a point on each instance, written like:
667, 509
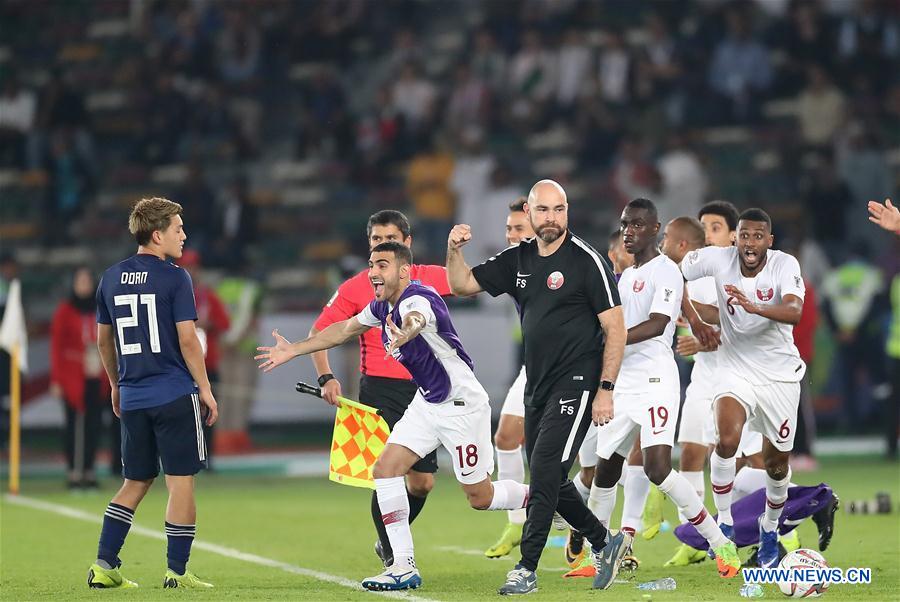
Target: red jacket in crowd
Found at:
73, 353
212, 317
805, 330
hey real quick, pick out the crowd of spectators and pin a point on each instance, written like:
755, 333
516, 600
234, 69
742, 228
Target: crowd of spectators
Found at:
281, 125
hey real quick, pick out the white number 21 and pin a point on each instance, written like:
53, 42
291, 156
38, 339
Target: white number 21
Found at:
131, 321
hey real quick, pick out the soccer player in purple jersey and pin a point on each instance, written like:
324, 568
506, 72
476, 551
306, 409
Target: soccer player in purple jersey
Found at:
450, 407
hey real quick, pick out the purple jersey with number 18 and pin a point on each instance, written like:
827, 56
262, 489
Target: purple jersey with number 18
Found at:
436, 359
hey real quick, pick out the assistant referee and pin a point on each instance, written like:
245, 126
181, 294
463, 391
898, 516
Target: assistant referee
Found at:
574, 337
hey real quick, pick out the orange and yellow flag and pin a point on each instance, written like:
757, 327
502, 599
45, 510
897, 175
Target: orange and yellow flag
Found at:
359, 436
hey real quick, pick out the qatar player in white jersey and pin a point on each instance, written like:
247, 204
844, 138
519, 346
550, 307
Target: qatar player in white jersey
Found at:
647, 391
760, 298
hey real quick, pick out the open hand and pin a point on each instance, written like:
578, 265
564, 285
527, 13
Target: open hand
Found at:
737, 297
398, 337
272, 357
887, 216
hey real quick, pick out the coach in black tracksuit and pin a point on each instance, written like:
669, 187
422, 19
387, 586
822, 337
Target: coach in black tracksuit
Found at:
574, 338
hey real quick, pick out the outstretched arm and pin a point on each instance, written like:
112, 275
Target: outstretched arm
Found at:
787, 312
284, 351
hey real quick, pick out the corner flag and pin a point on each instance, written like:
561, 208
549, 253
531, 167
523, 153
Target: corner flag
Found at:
14, 339
360, 435
12, 328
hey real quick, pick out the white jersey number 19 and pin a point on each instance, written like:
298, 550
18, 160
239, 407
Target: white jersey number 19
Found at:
131, 321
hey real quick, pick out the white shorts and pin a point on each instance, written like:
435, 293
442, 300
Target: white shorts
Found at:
751, 441
467, 437
696, 415
771, 408
514, 404
587, 453
653, 414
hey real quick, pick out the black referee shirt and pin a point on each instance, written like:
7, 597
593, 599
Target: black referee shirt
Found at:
559, 297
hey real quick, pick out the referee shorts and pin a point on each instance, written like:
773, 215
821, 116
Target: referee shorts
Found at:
392, 396
171, 434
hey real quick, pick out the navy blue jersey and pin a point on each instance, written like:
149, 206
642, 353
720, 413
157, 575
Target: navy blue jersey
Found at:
144, 297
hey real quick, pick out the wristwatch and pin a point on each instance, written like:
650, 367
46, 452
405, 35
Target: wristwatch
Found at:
607, 385
325, 378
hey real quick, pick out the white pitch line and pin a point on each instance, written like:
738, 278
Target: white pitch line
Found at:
460, 550
225, 551
480, 553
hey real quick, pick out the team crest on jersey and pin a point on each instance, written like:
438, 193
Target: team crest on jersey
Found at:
667, 295
797, 281
555, 281
638, 285
693, 256
764, 294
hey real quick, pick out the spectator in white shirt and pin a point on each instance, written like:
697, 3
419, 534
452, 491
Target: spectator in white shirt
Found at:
18, 107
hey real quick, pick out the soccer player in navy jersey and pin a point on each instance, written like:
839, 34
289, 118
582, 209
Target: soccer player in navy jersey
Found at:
160, 389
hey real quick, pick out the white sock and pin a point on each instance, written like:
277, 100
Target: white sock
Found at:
395, 513
637, 487
776, 496
695, 478
721, 477
624, 474
509, 495
583, 489
511, 467
601, 502
747, 481
683, 495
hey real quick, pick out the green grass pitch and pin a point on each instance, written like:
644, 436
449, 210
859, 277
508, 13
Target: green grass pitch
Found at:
312, 540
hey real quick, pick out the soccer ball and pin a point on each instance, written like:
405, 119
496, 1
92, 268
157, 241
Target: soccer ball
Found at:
803, 559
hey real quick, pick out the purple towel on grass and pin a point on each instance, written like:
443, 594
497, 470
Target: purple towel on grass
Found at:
802, 503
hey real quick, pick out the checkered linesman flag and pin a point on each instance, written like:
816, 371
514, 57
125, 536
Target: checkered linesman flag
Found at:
358, 438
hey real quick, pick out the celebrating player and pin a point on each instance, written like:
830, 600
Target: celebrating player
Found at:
760, 297
157, 390
574, 337
511, 430
384, 383
450, 408
649, 390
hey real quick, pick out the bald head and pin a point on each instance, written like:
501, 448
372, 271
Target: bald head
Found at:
548, 210
547, 190
681, 236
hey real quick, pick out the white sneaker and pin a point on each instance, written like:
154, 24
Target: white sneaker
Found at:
398, 576
559, 523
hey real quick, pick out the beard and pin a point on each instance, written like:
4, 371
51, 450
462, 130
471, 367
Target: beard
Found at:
549, 232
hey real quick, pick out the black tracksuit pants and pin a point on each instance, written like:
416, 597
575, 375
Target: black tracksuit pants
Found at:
554, 432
